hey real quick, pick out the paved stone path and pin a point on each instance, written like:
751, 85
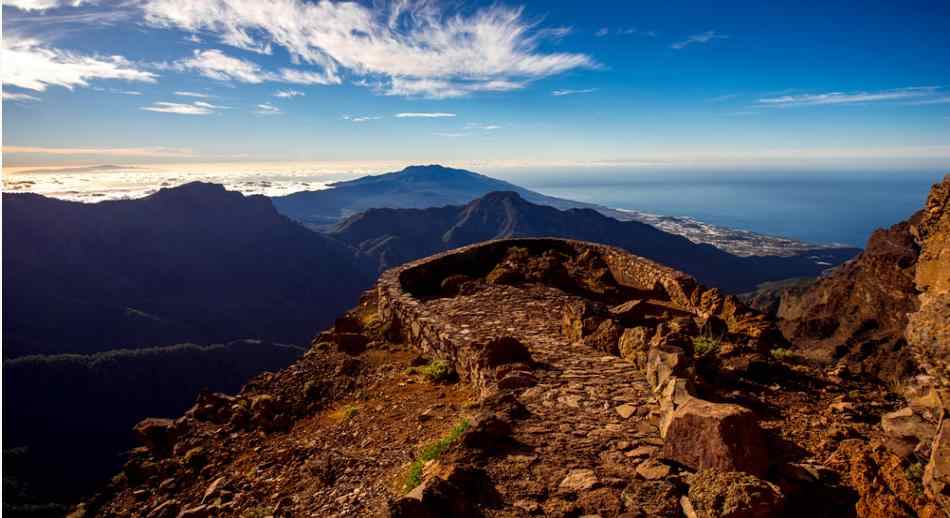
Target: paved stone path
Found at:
587, 412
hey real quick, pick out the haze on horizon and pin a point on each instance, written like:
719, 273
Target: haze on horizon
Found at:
485, 85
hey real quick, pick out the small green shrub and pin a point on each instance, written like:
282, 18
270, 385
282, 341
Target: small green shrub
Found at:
438, 371
432, 451
782, 354
705, 345
350, 411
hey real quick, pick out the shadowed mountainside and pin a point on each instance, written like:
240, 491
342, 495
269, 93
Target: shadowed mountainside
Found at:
194, 263
394, 236
69, 417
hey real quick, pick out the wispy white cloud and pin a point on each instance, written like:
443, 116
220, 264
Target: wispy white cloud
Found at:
185, 93
162, 152
451, 135
215, 64
203, 104
40, 5
268, 109
704, 37
288, 93
423, 115
441, 89
603, 31
363, 118
561, 93
481, 126
817, 99
197, 108
18, 97
411, 47
29, 65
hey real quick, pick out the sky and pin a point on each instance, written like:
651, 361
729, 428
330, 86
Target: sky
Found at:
679, 85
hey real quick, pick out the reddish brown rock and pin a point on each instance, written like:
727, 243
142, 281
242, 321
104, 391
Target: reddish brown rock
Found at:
729, 494
158, 435
581, 319
606, 338
882, 482
704, 435
652, 498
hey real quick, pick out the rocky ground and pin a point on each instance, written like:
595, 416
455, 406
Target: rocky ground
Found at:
537, 377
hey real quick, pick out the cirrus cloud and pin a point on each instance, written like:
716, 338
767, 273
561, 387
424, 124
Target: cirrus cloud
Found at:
830, 98
410, 48
30, 65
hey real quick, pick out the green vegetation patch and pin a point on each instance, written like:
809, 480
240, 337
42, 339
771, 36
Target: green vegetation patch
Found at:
705, 345
432, 451
438, 371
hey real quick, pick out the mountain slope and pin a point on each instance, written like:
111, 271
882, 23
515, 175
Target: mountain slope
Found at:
97, 399
395, 236
194, 263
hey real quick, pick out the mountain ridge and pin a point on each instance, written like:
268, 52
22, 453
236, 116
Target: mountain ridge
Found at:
394, 236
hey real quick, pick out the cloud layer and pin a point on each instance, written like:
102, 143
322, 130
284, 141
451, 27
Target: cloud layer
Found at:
410, 48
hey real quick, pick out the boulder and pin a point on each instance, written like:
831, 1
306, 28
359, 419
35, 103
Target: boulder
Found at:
158, 435
634, 344
665, 362
730, 494
581, 319
517, 379
908, 428
455, 491
704, 435
487, 432
606, 338
350, 343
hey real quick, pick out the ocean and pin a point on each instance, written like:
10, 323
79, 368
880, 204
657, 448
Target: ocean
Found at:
830, 210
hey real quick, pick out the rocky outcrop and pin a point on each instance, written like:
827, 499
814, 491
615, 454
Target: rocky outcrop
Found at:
727, 494
884, 313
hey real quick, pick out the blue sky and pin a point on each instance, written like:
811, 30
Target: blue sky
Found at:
675, 84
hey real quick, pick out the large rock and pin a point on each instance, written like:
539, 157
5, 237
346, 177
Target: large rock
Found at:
937, 473
664, 363
730, 494
634, 345
704, 435
908, 429
453, 491
881, 480
581, 319
606, 338
158, 435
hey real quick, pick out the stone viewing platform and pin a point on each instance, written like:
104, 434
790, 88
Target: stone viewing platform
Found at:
597, 343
